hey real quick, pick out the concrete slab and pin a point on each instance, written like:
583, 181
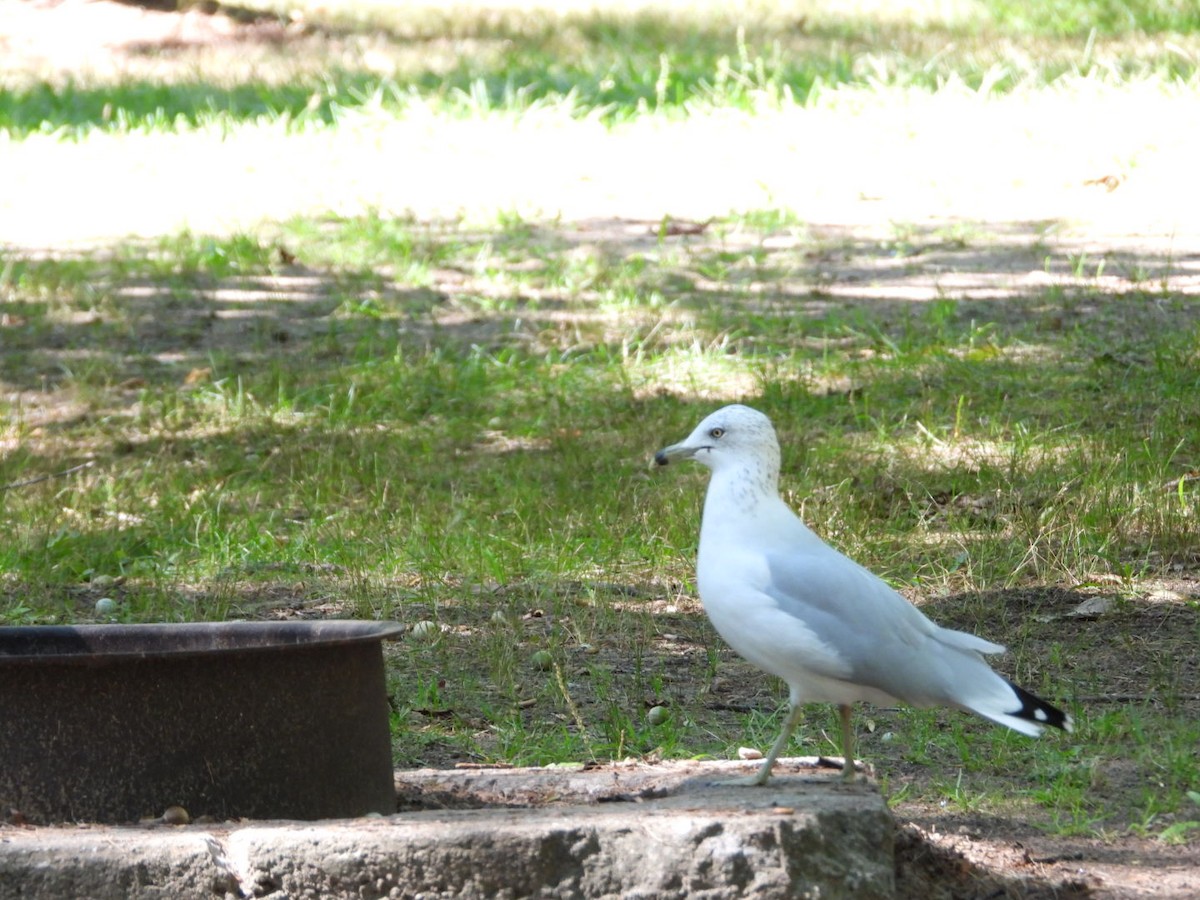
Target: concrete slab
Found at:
619, 831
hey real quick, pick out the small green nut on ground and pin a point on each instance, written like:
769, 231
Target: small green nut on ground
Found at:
425, 630
542, 660
658, 715
176, 815
106, 606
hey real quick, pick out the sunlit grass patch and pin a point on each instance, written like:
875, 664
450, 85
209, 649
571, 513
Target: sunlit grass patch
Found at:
615, 62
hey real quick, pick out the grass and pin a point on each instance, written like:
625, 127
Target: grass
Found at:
590, 62
451, 421
384, 418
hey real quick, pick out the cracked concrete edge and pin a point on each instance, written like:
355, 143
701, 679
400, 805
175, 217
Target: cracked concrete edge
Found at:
800, 837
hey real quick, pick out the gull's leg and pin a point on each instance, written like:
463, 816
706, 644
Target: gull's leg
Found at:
764, 771
847, 744
789, 726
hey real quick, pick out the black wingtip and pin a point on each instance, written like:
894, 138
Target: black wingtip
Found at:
1035, 709
661, 458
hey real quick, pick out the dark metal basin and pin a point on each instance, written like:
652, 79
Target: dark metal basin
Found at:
112, 723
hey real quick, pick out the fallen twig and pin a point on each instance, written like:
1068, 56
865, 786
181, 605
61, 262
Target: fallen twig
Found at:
40, 478
1176, 483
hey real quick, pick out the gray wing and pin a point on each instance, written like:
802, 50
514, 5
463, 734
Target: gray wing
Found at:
886, 641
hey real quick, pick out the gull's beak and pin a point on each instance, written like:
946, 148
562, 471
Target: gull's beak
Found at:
675, 452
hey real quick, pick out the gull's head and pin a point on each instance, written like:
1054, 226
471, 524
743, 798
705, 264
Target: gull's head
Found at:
733, 435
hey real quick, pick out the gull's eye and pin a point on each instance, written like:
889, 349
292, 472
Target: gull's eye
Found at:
717, 432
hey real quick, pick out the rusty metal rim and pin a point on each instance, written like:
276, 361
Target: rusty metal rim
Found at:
98, 644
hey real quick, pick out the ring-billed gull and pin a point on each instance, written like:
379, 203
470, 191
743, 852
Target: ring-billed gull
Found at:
795, 607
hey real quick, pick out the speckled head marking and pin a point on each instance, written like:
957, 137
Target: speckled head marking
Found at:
732, 438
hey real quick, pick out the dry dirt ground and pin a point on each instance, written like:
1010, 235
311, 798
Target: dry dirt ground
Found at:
942, 853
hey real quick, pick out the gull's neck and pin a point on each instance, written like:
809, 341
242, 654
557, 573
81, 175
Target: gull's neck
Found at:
741, 489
